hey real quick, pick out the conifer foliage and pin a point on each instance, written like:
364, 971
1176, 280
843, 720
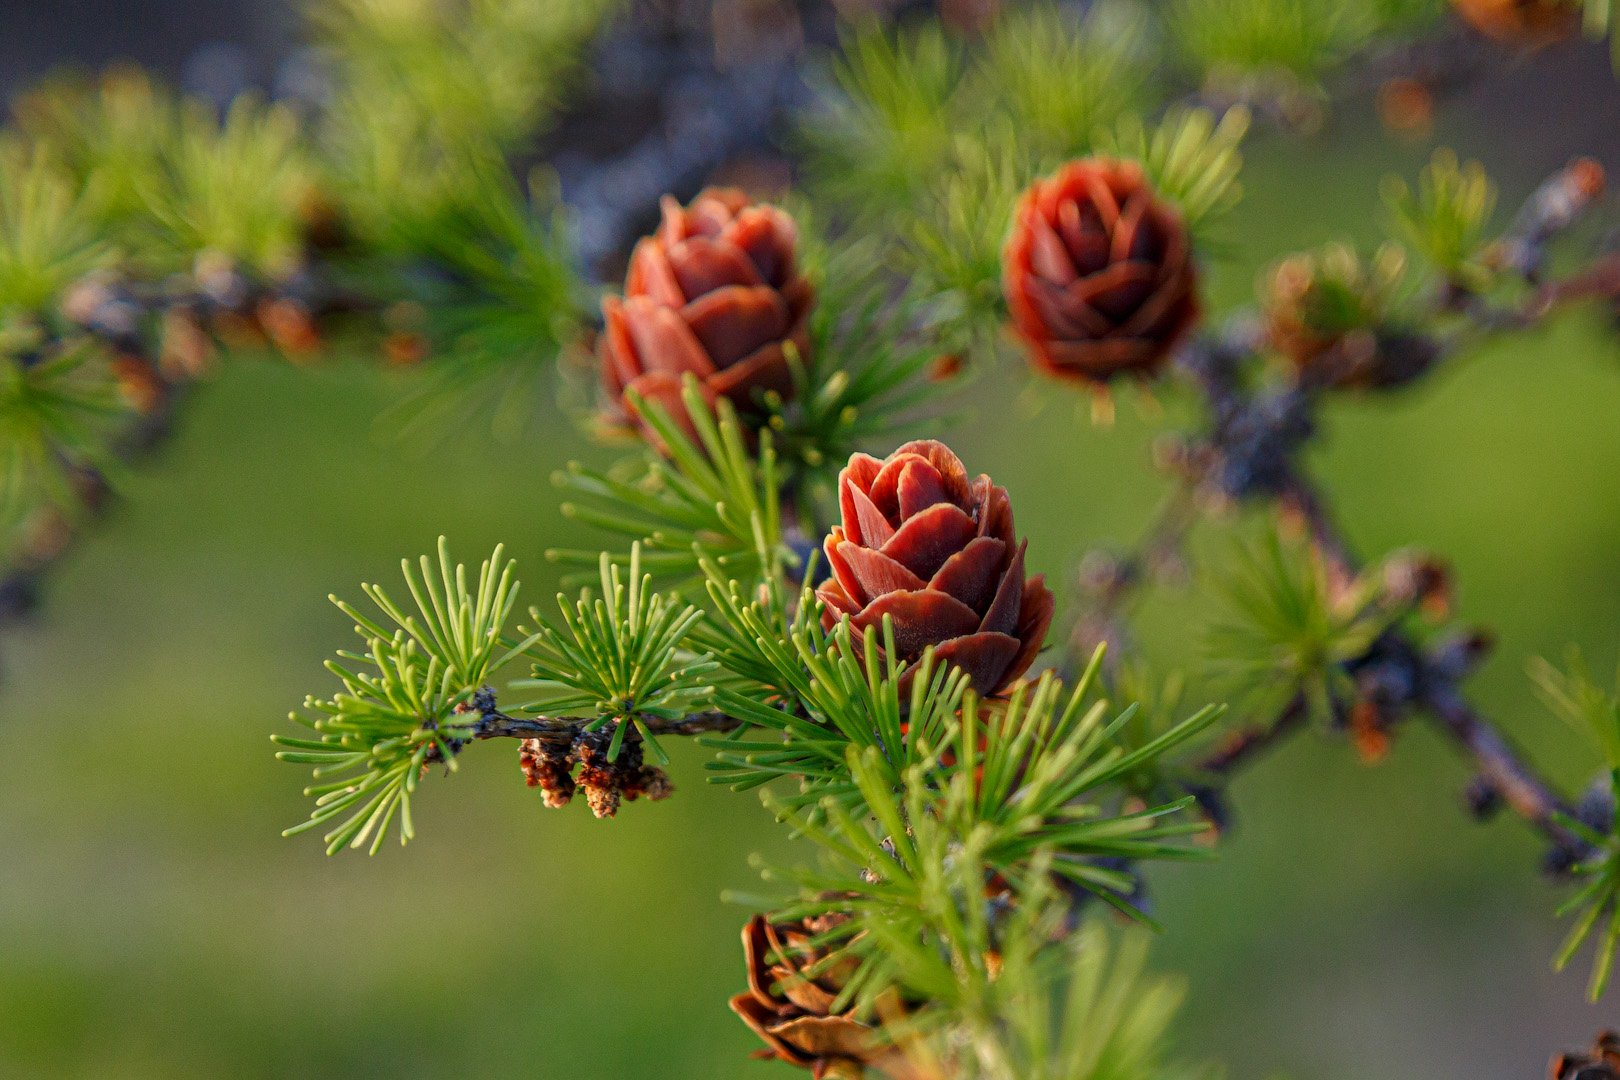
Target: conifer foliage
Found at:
796, 568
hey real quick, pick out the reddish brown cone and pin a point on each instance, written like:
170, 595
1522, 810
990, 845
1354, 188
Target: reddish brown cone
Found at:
715, 292
935, 552
1098, 272
791, 1008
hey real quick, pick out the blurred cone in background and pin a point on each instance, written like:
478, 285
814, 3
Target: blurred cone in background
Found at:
1406, 108
716, 292
1098, 273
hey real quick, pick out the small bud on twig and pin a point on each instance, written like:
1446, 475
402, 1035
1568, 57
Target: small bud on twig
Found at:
1602, 1063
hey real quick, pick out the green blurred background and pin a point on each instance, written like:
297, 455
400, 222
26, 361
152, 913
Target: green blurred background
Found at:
1356, 927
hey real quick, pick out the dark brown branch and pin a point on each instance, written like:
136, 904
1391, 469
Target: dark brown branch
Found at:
155, 369
1253, 451
1555, 205
561, 730
567, 755
1304, 505
1599, 281
1243, 745
1500, 766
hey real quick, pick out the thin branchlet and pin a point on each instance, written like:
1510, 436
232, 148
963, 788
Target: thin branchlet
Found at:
495, 724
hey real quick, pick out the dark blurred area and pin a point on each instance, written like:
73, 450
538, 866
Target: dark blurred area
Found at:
172, 37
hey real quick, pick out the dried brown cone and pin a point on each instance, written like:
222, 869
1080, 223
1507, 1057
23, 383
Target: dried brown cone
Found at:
792, 992
1098, 273
1531, 23
716, 293
606, 783
936, 553
647, 782
1603, 1063
549, 769
603, 787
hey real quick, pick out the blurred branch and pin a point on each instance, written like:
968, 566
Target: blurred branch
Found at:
1504, 770
1251, 452
1244, 744
1501, 767
46, 540
708, 109
157, 375
693, 115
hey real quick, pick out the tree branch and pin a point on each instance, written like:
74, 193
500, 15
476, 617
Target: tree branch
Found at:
1243, 745
707, 109
1505, 771
1500, 766
53, 530
1252, 452
562, 755
565, 730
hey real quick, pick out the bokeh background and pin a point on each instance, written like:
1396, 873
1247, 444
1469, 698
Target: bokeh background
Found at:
153, 924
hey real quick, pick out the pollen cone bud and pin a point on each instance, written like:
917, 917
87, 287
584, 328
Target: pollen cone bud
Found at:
936, 553
1330, 313
716, 293
790, 1002
547, 769
1603, 1063
1532, 23
1098, 273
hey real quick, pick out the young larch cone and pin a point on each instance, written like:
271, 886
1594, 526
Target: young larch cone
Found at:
790, 999
715, 292
1312, 301
1330, 314
1098, 272
1532, 23
1603, 1063
935, 552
